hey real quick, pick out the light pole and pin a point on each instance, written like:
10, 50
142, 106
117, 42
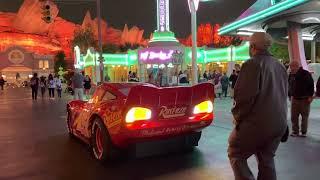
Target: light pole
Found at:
101, 65
193, 7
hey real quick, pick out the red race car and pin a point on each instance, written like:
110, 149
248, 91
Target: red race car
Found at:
121, 116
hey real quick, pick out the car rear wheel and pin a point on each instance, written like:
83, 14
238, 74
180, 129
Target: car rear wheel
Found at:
102, 147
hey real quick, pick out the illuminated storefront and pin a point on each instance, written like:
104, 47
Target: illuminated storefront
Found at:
174, 58
163, 54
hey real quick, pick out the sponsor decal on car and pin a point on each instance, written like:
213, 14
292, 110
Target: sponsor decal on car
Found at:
173, 112
171, 130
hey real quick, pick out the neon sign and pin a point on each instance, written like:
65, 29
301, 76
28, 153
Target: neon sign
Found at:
163, 15
158, 55
162, 55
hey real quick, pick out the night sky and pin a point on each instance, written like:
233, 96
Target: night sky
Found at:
143, 12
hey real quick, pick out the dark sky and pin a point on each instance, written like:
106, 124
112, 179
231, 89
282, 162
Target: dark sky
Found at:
143, 12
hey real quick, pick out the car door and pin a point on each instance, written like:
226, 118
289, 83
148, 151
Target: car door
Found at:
87, 111
112, 115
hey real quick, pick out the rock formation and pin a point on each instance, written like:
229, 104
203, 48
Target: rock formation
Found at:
29, 17
27, 29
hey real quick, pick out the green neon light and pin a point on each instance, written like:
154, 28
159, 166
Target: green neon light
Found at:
241, 58
273, 2
239, 53
163, 36
281, 6
217, 51
109, 59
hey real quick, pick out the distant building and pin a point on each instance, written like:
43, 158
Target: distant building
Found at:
28, 44
18, 65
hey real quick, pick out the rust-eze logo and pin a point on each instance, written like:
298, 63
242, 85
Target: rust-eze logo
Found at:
173, 112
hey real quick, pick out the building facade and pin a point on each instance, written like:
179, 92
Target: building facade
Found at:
17, 64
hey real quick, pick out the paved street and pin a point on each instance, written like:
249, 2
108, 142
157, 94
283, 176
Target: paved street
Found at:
35, 146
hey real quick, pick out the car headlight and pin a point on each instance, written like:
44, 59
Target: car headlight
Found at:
204, 107
138, 114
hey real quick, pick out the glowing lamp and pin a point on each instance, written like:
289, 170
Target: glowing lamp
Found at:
204, 107
138, 114
193, 5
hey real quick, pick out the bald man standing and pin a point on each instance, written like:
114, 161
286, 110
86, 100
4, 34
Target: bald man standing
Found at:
260, 111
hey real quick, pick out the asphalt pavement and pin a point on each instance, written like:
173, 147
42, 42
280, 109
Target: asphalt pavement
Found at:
34, 145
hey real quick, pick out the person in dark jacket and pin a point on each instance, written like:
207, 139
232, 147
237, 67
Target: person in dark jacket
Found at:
87, 85
205, 76
43, 85
224, 84
233, 79
260, 111
302, 91
2, 82
34, 83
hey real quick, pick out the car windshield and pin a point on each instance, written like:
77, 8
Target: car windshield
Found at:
125, 91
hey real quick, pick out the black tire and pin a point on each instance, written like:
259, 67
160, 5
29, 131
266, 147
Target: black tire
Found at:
108, 151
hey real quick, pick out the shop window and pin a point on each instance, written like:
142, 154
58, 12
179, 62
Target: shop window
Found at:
46, 64
41, 65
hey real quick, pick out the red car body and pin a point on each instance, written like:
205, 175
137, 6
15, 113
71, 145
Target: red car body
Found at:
171, 113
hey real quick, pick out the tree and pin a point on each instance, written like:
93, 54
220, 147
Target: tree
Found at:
205, 34
110, 48
84, 38
208, 35
60, 62
280, 52
127, 46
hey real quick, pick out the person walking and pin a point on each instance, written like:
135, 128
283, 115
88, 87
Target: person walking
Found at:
2, 82
77, 83
58, 86
34, 83
51, 86
260, 111
87, 86
218, 88
302, 91
224, 84
43, 85
183, 78
233, 79
205, 76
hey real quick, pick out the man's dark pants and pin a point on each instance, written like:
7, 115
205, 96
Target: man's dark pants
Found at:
225, 91
300, 107
243, 144
34, 92
1, 86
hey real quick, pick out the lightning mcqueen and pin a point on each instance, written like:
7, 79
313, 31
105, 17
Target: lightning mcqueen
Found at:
121, 116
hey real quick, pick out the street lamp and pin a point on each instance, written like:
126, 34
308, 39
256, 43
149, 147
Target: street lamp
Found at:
193, 7
101, 65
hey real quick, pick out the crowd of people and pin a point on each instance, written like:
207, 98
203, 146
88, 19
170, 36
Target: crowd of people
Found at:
79, 86
222, 83
52, 83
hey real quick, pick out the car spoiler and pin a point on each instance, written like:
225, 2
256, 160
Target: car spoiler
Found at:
151, 96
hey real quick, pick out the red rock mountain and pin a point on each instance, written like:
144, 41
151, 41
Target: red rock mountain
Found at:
26, 28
